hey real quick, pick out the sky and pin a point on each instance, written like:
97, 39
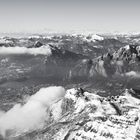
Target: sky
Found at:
69, 15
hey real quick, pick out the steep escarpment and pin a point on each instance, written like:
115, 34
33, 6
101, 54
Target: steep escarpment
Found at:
121, 66
121, 62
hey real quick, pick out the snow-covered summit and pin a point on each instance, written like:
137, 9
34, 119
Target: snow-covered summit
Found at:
93, 38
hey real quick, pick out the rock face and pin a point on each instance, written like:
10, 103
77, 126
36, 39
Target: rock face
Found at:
83, 115
124, 62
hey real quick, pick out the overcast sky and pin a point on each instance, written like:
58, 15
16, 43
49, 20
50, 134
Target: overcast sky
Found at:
67, 15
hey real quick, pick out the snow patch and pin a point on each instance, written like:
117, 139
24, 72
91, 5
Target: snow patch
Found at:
93, 38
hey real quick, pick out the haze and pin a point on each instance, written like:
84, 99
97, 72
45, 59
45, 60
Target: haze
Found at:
69, 15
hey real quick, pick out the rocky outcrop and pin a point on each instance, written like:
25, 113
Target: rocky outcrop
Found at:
124, 62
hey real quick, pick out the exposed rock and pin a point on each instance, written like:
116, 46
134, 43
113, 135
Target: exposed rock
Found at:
121, 62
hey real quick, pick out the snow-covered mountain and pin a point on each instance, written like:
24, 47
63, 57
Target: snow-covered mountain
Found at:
93, 38
89, 45
83, 115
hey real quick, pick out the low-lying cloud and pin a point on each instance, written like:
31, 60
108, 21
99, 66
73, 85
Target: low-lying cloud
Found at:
133, 74
33, 114
43, 50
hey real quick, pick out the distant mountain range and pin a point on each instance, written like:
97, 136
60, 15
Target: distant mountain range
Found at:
102, 62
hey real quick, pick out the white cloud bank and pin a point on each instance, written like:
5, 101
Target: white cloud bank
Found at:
133, 74
32, 115
43, 50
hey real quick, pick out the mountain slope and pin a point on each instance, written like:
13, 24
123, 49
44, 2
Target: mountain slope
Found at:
83, 115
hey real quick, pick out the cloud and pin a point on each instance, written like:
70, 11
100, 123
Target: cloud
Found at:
32, 115
43, 50
133, 74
